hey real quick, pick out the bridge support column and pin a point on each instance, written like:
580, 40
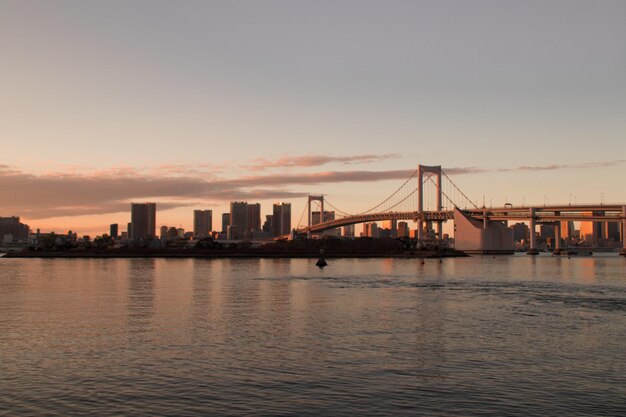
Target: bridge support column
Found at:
420, 231
623, 251
319, 198
557, 238
533, 238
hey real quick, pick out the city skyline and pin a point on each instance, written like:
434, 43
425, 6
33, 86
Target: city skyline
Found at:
274, 102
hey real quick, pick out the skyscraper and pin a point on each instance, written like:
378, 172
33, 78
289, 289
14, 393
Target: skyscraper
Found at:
253, 220
143, 220
225, 222
281, 219
328, 215
238, 218
113, 230
403, 229
267, 225
348, 230
202, 223
392, 227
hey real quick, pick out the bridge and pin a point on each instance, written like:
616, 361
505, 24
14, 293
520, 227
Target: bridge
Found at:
431, 186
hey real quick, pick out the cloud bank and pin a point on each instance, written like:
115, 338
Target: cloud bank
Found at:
74, 193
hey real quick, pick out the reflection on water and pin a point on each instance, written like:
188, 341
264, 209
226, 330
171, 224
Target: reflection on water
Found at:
514, 335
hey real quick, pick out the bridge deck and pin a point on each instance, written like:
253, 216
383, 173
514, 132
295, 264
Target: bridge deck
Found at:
596, 213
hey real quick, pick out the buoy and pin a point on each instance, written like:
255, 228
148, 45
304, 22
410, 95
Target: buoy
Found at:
321, 261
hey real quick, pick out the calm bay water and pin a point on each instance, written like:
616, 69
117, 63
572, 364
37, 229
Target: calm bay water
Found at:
469, 336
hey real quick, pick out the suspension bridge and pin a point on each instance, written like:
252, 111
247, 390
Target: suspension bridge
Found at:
429, 197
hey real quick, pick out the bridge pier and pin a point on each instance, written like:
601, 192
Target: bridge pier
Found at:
533, 237
623, 251
557, 238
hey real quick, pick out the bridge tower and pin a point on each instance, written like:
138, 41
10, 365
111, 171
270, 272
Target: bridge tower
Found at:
421, 170
319, 198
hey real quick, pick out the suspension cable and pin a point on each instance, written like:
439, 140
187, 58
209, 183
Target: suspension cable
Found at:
381, 203
458, 189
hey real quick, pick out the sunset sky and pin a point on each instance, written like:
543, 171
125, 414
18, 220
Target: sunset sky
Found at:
192, 104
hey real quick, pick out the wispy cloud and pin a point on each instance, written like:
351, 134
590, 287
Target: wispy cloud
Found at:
315, 160
552, 167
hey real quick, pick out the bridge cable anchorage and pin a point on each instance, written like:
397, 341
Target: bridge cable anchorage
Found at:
458, 189
384, 201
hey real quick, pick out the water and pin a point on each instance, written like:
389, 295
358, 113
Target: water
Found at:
182, 337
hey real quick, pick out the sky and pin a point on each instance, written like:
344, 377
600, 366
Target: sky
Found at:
193, 104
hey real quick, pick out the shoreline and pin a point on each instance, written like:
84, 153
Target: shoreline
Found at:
232, 255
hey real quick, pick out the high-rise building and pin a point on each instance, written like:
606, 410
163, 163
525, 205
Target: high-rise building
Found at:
591, 232
328, 216
348, 230
521, 231
267, 225
403, 229
546, 231
611, 231
238, 219
225, 222
567, 229
392, 227
202, 223
370, 230
113, 230
281, 219
253, 220
143, 220
163, 234
129, 230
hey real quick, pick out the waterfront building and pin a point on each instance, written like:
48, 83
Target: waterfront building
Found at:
253, 220
267, 225
567, 230
521, 232
546, 231
232, 233
163, 233
202, 223
371, 230
328, 215
391, 227
12, 230
143, 220
348, 230
238, 219
403, 229
225, 222
114, 230
281, 219
591, 232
